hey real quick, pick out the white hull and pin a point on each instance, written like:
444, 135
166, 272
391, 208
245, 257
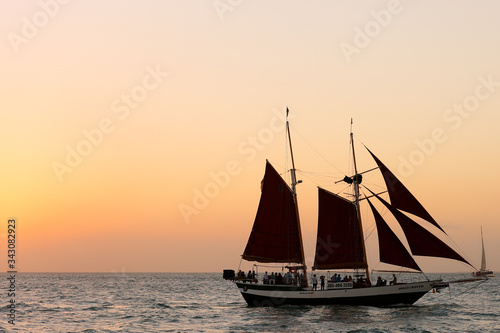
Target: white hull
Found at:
270, 295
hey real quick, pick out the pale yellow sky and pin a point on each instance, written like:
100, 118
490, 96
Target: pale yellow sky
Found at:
162, 99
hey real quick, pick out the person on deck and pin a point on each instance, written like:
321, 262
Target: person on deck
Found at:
322, 278
315, 282
360, 282
394, 279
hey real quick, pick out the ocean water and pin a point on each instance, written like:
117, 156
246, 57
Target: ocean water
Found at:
168, 302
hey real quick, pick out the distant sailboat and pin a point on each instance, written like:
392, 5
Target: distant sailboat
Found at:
276, 238
483, 271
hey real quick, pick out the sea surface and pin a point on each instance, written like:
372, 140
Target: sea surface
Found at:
171, 302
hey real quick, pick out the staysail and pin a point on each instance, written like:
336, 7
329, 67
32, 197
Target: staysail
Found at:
275, 235
421, 241
401, 198
339, 240
391, 250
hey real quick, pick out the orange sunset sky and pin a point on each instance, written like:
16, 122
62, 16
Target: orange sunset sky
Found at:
134, 134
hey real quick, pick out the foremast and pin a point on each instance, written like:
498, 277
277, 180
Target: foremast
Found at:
294, 184
356, 181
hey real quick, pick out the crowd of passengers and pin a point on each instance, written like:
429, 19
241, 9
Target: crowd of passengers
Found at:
288, 279
250, 276
337, 278
295, 279
361, 282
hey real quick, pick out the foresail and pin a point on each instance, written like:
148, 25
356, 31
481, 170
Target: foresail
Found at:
275, 234
391, 250
421, 241
339, 241
401, 197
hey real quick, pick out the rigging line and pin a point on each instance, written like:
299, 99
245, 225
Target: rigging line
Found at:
317, 151
325, 174
401, 271
344, 189
460, 250
373, 185
384, 209
279, 266
475, 286
358, 139
280, 166
310, 178
241, 260
361, 173
361, 142
370, 229
317, 176
371, 195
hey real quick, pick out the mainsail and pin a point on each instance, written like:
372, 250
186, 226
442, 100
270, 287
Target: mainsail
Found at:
275, 235
400, 197
391, 250
339, 241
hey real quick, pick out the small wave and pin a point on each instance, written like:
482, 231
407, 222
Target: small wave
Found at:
127, 317
49, 310
94, 308
161, 305
397, 305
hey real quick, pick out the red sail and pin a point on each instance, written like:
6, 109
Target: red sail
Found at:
421, 241
275, 234
401, 198
339, 242
391, 250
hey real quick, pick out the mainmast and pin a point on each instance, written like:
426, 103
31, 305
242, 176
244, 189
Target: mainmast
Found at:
356, 181
294, 183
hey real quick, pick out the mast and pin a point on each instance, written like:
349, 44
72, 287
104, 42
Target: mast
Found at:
356, 196
294, 183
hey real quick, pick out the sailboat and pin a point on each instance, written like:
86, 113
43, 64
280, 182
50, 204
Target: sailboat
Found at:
276, 239
483, 271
